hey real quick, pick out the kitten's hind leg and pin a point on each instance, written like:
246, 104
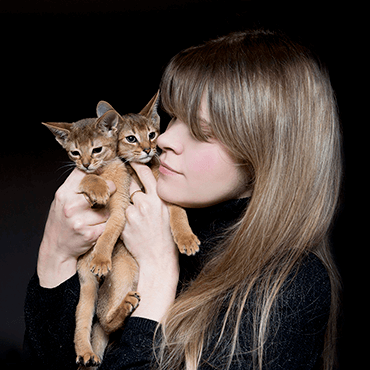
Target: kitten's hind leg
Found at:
99, 339
117, 316
84, 315
99, 342
117, 300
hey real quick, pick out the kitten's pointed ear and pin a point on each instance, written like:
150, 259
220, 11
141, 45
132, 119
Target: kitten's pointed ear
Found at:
108, 122
61, 131
103, 107
150, 110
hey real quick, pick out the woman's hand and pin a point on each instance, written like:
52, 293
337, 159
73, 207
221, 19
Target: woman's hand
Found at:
147, 235
71, 230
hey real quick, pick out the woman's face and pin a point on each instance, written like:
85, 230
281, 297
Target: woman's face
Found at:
197, 174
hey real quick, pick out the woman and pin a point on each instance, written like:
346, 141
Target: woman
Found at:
253, 154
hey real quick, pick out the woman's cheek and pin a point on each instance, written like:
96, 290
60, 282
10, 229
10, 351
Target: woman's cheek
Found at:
205, 163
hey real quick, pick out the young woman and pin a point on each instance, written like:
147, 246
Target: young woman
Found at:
253, 154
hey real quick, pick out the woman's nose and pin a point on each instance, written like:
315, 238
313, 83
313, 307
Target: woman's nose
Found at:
170, 140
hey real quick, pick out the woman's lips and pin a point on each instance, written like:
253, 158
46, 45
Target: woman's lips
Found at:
167, 170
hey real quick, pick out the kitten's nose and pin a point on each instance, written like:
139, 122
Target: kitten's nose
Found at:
86, 165
147, 150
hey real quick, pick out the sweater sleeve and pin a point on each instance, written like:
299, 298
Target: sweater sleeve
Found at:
50, 324
50, 327
134, 349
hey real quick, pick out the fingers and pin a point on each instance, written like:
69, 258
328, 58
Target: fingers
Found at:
94, 232
69, 188
134, 186
74, 179
146, 177
96, 217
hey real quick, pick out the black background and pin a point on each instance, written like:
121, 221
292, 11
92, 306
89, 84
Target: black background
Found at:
59, 58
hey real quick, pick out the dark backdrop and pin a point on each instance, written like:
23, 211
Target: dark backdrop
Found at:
59, 58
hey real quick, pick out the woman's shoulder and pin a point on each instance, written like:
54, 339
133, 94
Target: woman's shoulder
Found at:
308, 283
311, 265
298, 317
302, 306
303, 301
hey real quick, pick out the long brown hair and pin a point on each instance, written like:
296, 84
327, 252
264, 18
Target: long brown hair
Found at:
271, 104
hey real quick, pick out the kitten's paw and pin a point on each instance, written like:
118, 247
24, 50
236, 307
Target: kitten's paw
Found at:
132, 301
88, 359
117, 316
95, 190
100, 266
187, 243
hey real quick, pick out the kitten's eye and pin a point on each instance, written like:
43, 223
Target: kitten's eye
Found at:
152, 135
75, 153
97, 150
131, 139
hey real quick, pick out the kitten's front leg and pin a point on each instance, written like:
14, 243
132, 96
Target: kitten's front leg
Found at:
186, 241
95, 190
101, 262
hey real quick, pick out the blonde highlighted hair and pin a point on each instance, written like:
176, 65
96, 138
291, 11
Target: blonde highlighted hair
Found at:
272, 105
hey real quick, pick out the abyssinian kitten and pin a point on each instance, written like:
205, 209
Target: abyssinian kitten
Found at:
107, 272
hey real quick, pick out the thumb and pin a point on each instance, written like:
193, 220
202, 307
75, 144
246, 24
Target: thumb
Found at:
111, 186
146, 177
96, 231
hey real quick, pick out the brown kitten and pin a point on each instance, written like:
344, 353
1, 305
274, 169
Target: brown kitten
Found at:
135, 139
92, 145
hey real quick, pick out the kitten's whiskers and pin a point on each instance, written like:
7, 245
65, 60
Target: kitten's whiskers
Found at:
70, 167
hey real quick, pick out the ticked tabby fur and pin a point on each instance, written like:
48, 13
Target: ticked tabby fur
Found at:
96, 146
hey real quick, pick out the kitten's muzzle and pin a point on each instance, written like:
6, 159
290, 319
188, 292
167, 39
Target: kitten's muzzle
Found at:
146, 160
146, 156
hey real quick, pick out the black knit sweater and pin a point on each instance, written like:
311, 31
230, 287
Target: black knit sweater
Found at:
298, 325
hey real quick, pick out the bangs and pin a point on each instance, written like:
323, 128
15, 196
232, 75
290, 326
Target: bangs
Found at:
182, 87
